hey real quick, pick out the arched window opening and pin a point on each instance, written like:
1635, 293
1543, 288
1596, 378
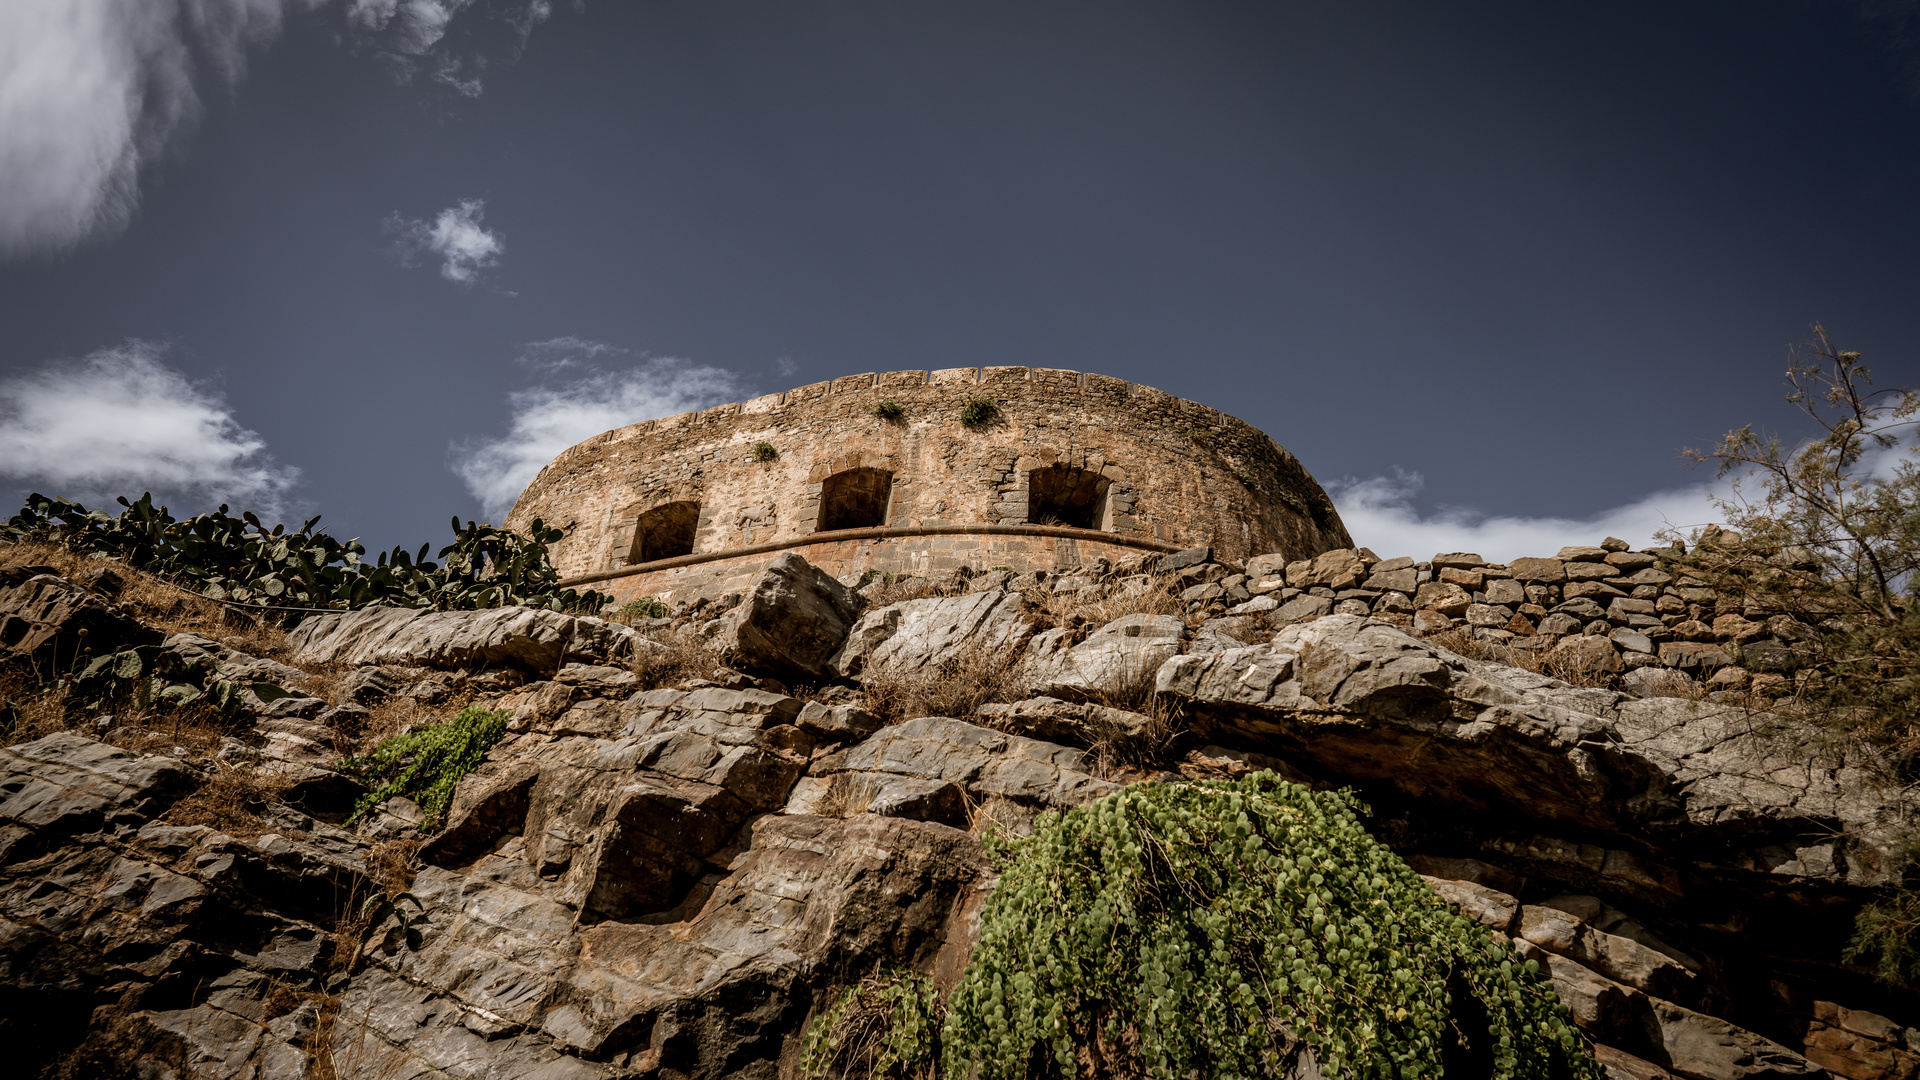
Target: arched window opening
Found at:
855, 499
665, 532
1064, 495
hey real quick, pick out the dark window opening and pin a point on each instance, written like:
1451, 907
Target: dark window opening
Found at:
855, 499
1063, 495
665, 532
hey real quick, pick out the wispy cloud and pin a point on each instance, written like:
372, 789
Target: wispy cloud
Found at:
1380, 513
455, 237
580, 395
120, 422
93, 91
415, 37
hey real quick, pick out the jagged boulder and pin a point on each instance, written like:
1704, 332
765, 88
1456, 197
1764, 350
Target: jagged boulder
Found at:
983, 761
47, 620
792, 620
914, 635
711, 993
1071, 723
1116, 662
66, 783
533, 639
615, 810
1362, 700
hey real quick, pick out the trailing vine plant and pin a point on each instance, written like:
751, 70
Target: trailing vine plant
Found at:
427, 763
1222, 930
885, 1024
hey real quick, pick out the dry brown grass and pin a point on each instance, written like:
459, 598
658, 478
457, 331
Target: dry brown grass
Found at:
1460, 640
229, 799
681, 655
846, 796
165, 607
975, 675
28, 709
391, 866
37, 709
394, 715
1095, 607
1569, 670
894, 590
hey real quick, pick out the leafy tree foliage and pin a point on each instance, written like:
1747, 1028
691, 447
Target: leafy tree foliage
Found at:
228, 557
1216, 930
1825, 548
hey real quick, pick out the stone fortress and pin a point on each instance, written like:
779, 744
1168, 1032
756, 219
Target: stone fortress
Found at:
880, 472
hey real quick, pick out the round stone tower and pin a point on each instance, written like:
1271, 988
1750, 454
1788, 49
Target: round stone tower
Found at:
916, 471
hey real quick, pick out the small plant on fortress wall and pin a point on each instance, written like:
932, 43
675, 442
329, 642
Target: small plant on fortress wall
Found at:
889, 410
426, 764
764, 451
1214, 929
979, 412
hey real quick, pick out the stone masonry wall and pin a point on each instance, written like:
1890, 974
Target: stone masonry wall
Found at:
1587, 612
1171, 473
849, 559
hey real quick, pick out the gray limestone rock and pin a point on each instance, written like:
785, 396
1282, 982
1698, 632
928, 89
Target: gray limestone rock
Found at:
534, 639
66, 783
792, 620
915, 634
981, 760
1069, 723
46, 618
1183, 559
1364, 702
1302, 609
1115, 662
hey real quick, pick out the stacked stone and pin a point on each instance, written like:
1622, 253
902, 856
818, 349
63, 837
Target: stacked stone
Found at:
1603, 609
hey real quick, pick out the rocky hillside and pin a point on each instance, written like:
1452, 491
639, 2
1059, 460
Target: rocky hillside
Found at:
696, 830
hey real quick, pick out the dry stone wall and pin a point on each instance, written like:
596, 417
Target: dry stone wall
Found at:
1587, 612
1115, 464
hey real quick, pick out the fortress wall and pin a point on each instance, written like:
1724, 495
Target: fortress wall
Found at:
1174, 473
844, 558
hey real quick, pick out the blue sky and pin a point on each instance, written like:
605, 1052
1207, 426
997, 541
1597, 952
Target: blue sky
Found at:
1484, 267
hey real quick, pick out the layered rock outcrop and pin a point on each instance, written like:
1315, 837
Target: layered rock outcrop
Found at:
669, 880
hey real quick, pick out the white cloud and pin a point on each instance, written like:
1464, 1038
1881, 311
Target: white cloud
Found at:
413, 36
120, 422
455, 237
93, 91
554, 415
1380, 514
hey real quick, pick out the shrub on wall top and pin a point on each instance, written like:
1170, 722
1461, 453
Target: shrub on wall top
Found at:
979, 411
